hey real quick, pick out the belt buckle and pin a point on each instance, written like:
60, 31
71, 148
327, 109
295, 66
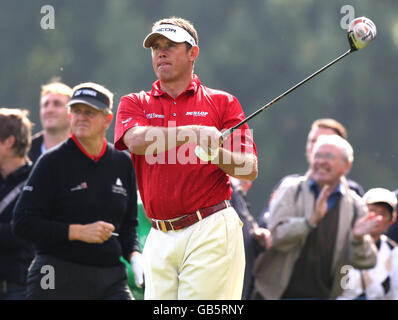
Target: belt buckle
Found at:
163, 226
199, 215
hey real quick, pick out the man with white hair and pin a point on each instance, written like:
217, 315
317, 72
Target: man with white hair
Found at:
79, 209
317, 226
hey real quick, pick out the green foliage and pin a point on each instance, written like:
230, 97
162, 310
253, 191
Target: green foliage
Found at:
254, 49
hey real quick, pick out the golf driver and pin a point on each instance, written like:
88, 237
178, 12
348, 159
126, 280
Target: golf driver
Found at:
360, 33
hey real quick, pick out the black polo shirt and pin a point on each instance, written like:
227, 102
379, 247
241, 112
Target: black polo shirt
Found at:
15, 254
36, 148
67, 187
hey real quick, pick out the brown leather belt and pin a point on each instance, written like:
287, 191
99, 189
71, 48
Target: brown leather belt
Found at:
188, 219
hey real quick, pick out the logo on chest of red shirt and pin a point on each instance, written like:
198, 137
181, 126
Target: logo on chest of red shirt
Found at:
154, 116
197, 113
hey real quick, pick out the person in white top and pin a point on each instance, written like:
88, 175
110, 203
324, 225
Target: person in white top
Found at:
380, 282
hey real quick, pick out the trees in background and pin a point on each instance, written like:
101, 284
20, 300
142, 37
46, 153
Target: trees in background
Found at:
253, 49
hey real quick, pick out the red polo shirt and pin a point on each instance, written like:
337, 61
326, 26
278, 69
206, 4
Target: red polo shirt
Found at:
176, 182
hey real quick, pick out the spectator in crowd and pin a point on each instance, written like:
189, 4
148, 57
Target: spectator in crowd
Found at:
380, 282
255, 239
392, 231
195, 248
15, 254
327, 126
79, 208
317, 226
54, 117
323, 126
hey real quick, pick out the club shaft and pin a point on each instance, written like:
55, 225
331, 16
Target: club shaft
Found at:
269, 104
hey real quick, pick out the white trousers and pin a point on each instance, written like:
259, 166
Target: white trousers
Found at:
205, 261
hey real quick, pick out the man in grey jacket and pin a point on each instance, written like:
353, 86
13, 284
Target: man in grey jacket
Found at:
318, 225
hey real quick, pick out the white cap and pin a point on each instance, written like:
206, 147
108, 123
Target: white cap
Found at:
381, 195
171, 32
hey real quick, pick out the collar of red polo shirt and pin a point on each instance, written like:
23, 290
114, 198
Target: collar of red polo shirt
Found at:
194, 85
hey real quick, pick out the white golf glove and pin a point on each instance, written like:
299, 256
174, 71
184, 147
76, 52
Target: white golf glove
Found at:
138, 269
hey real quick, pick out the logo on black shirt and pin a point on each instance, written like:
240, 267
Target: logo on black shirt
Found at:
118, 187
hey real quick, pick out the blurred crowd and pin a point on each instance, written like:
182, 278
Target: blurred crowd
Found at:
320, 236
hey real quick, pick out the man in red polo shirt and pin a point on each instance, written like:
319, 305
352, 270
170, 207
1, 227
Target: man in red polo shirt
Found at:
195, 248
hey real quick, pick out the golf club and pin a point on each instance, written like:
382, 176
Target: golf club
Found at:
360, 33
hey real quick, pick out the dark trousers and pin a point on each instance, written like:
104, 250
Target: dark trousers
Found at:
12, 291
52, 278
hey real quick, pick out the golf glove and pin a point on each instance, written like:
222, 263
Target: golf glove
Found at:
138, 269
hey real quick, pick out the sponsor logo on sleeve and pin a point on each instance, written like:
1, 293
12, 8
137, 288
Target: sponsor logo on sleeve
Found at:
125, 122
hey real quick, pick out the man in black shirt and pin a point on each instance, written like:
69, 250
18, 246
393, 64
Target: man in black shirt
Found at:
79, 208
15, 254
255, 239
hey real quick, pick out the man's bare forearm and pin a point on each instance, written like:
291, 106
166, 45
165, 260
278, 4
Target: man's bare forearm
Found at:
144, 140
147, 140
238, 165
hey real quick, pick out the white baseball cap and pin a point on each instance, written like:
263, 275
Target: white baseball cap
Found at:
376, 195
171, 32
